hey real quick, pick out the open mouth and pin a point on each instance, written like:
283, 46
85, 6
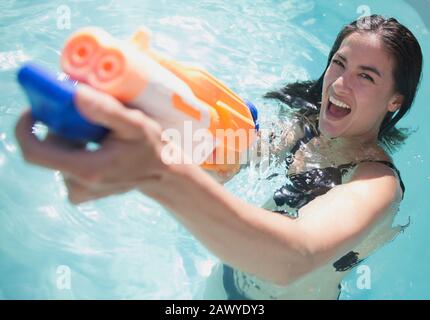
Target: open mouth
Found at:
337, 110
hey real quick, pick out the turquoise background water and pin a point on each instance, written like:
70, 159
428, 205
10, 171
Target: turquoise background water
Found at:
128, 246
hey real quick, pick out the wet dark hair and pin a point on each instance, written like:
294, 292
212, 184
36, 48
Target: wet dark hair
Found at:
406, 51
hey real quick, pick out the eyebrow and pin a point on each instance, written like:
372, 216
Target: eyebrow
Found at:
366, 68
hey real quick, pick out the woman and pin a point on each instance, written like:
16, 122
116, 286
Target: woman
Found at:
344, 208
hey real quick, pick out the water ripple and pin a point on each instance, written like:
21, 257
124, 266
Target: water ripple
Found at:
128, 246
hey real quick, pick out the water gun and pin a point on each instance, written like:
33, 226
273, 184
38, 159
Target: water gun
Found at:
167, 91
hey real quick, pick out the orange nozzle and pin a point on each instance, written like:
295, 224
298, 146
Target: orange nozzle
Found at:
79, 54
94, 57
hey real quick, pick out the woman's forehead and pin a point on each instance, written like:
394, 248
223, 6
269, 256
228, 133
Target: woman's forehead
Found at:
366, 49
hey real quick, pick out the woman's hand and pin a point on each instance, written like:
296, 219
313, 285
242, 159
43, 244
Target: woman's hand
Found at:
130, 157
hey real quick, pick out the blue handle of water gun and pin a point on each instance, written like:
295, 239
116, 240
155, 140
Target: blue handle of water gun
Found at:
52, 102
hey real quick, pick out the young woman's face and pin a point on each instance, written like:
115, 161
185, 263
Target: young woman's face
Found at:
359, 79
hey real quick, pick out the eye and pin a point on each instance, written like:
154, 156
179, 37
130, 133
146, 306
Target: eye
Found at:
338, 62
367, 77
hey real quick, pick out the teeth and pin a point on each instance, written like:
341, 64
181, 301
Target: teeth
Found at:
339, 103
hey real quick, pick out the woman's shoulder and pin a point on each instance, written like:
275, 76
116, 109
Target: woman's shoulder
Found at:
384, 171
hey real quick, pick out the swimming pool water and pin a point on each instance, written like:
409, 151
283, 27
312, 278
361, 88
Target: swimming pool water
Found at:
130, 247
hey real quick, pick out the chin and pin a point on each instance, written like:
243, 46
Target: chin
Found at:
329, 131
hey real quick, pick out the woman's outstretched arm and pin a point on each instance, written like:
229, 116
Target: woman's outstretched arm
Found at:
249, 238
270, 245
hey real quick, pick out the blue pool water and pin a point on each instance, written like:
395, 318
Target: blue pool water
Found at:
130, 247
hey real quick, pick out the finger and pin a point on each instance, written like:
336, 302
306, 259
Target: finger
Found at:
105, 110
63, 143
48, 153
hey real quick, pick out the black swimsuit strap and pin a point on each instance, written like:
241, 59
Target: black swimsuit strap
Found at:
309, 134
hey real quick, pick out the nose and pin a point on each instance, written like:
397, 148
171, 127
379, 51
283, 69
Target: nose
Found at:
341, 85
